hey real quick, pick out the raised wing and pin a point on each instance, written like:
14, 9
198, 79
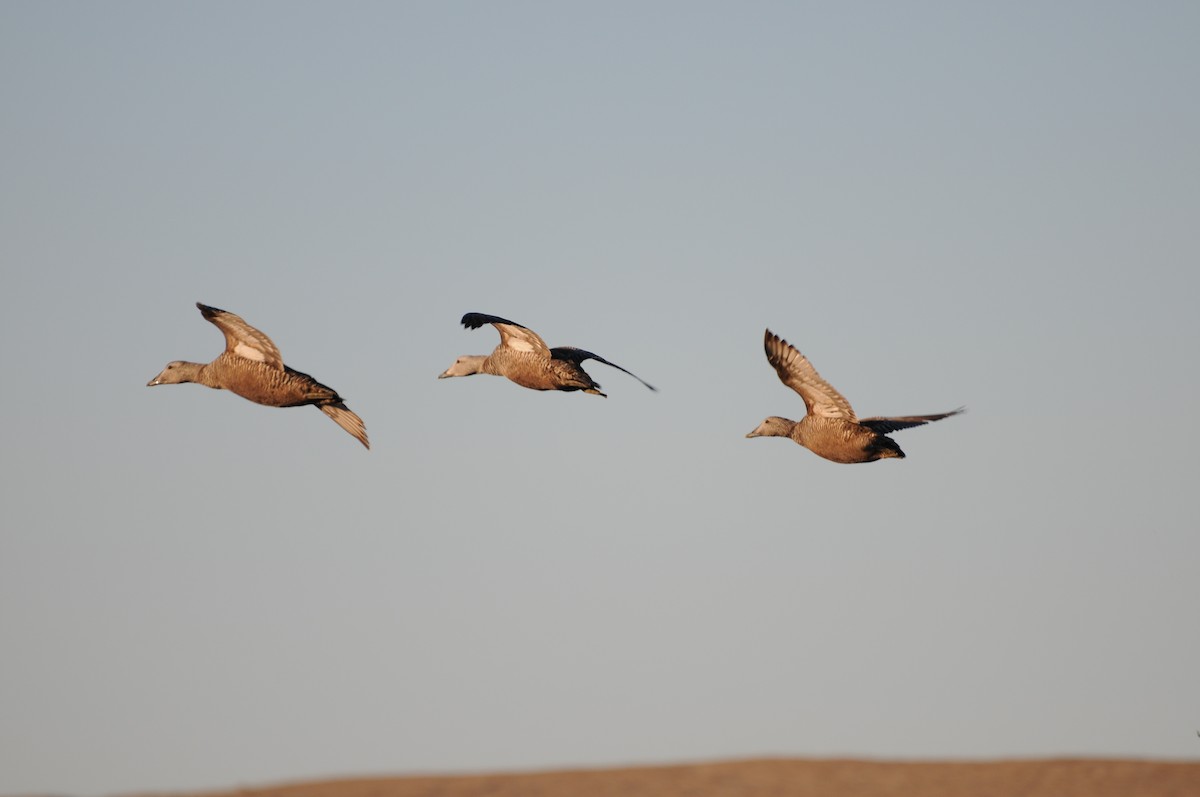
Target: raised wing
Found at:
577, 356
887, 425
512, 335
241, 338
795, 371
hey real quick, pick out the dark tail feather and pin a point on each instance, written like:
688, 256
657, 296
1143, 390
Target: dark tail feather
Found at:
886, 448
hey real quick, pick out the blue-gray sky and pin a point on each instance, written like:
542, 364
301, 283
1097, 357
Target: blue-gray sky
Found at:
940, 203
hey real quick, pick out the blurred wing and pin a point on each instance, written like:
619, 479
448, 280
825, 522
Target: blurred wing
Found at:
797, 372
512, 335
577, 356
241, 338
887, 425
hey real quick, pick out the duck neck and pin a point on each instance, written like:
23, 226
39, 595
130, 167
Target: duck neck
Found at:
201, 374
482, 364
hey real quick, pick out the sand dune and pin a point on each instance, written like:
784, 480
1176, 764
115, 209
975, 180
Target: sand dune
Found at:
785, 778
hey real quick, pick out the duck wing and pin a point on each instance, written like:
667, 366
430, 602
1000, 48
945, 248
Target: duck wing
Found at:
241, 338
577, 356
346, 419
795, 371
512, 335
888, 425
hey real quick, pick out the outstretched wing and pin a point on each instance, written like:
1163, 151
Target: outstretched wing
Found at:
577, 356
241, 338
888, 425
512, 335
795, 371
346, 419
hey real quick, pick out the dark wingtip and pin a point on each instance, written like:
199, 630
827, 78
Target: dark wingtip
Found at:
208, 312
769, 337
476, 320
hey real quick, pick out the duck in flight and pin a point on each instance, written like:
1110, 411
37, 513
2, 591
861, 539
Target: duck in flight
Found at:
830, 429
252, 367
524, 358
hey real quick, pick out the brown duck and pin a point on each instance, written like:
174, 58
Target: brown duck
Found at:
830, 429
525, 358
252, 367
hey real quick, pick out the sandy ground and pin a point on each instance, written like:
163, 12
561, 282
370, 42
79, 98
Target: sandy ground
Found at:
784, 778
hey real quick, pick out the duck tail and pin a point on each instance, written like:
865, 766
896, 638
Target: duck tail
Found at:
886, 448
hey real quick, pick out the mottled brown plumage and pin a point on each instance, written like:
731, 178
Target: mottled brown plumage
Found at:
830, 429
252, 367
524, 358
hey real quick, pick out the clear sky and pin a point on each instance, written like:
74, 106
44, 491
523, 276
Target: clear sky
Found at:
995, 205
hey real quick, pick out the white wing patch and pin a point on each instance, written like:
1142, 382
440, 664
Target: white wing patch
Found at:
520, 344
827, 409
242, 349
